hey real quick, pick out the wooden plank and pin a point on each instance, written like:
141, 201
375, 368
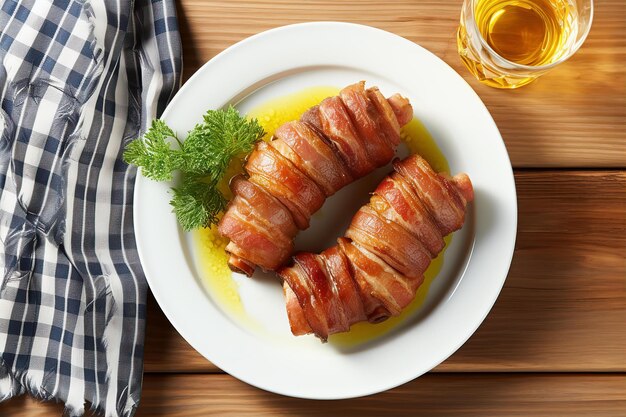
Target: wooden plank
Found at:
479, 395
564, 303
165, 349
574, 116
563, 307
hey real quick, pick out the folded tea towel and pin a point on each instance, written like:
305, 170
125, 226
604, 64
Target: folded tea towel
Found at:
78, 80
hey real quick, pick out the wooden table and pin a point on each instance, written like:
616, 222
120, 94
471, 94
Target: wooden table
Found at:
555, 342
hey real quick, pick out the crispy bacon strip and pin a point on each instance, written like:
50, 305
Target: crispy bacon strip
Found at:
389, 241
284, 180
366, 120
300, 144
443, 200
395, 202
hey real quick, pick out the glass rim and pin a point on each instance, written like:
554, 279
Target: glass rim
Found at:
515, 65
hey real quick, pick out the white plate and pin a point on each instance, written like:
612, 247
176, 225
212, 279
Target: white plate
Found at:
286, 60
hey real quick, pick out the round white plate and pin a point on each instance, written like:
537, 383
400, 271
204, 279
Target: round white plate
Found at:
286, 60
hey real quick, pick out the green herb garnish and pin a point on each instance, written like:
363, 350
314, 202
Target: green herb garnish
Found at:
202, 159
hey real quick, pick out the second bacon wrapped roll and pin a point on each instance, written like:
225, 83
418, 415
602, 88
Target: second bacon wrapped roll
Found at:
376, 269
343, 138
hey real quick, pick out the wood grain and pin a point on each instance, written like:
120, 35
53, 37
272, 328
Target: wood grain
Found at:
574, 116
563, 307
433, 395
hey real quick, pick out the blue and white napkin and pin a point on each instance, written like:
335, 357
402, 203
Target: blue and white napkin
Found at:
78, 80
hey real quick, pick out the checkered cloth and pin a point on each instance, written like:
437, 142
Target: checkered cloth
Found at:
78, 80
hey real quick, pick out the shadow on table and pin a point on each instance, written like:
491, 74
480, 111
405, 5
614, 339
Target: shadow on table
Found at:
191, 58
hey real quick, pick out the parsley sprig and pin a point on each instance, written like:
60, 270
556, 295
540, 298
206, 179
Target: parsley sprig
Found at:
202, 159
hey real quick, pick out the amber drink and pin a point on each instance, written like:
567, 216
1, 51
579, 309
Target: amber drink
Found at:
509, 43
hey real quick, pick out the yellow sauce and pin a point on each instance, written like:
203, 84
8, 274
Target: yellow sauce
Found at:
417, 138
275, 112
213, 260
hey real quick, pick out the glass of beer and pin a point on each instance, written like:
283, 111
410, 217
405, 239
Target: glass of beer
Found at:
509, 43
